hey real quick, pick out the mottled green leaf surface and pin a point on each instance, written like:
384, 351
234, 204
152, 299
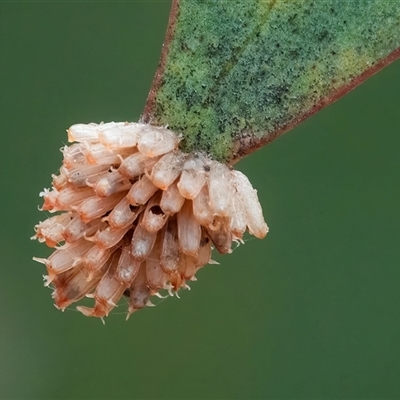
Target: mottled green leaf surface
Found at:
238, 73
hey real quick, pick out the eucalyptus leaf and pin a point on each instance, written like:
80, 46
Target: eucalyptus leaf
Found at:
236, 74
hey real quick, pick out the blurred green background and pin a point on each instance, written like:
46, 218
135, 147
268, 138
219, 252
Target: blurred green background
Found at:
311, 312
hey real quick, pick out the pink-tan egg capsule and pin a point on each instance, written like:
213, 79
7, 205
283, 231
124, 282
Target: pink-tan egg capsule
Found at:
137, 216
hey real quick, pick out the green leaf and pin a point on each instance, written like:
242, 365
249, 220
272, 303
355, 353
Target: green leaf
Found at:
236, 74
